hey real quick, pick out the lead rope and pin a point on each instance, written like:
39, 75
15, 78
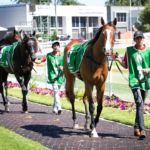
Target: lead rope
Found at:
109, 58
121, 71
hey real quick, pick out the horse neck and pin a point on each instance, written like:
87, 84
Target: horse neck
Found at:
20, 53
97, 49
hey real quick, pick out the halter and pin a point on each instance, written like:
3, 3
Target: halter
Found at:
108, 46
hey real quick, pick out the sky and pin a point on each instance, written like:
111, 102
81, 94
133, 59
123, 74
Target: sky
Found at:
87, 2
93, 2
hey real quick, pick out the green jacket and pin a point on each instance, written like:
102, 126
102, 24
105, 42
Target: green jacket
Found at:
138, 60
55, 75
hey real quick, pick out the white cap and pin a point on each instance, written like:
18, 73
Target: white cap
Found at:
40, 39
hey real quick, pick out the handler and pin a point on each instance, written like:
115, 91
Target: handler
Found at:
55, 74
137, 60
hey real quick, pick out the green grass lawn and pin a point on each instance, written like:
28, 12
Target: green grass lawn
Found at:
9, 140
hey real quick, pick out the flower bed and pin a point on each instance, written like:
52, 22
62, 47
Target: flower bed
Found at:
113, 101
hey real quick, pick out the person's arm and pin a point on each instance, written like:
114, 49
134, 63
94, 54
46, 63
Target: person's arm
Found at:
39, 61
146, 70
123, 62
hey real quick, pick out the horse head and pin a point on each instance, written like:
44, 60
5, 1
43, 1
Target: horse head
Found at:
108, 36
31, 45
12, 37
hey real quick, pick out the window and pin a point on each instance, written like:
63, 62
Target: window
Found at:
75, 21
93, 21
83, 21
121, 17
53, 22
59, 21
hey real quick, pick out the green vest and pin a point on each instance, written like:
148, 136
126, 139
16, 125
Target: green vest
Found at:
138, 60
6, 56
55, 75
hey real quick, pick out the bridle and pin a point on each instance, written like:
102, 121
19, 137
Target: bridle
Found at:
108, 57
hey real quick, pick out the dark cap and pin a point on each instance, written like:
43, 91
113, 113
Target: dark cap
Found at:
55, 43
138, 34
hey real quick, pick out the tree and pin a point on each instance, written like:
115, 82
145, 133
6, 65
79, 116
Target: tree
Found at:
126, 2
61, 2
33, 1
144, 20
69, 2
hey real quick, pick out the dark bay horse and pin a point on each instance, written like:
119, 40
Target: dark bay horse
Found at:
93, 72
8, 39
18, 59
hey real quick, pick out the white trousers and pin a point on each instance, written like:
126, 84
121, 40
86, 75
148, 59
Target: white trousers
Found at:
56, 103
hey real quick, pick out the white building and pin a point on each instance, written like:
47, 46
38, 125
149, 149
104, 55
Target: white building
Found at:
126, 16
76, 21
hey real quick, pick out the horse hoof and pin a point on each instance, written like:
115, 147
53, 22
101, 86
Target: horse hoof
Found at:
94, 133
76, 126
25, 112
6, 108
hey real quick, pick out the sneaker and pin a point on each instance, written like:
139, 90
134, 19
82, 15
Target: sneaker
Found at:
143, 134
59, 112
55, 111
137, 132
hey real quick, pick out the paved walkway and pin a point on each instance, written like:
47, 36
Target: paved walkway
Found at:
56, 133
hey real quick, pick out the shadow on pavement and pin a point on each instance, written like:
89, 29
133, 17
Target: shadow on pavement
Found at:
52, 130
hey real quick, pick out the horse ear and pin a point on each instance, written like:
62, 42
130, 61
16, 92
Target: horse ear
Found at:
102, 21
115, 21
14, 32
20, 31
22, 34
34, 33
25, 37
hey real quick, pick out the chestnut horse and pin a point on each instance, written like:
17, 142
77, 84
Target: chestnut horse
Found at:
93, 71
18, 59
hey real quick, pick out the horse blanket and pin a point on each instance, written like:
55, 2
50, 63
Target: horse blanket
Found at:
75, 55
6, 56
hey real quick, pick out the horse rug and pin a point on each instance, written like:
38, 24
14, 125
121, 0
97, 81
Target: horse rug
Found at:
6, 56
75, 55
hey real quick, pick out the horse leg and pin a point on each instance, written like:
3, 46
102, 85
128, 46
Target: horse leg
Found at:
5, 102
85, 101
3, 80
6, 91
70, 95
23, 84
27, 78
89, 89
100, 94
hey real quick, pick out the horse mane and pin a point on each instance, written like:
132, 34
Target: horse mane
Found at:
92, 41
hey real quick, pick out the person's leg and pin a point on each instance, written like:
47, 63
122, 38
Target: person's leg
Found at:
144, 95
57, 98
139, 118
54, 102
